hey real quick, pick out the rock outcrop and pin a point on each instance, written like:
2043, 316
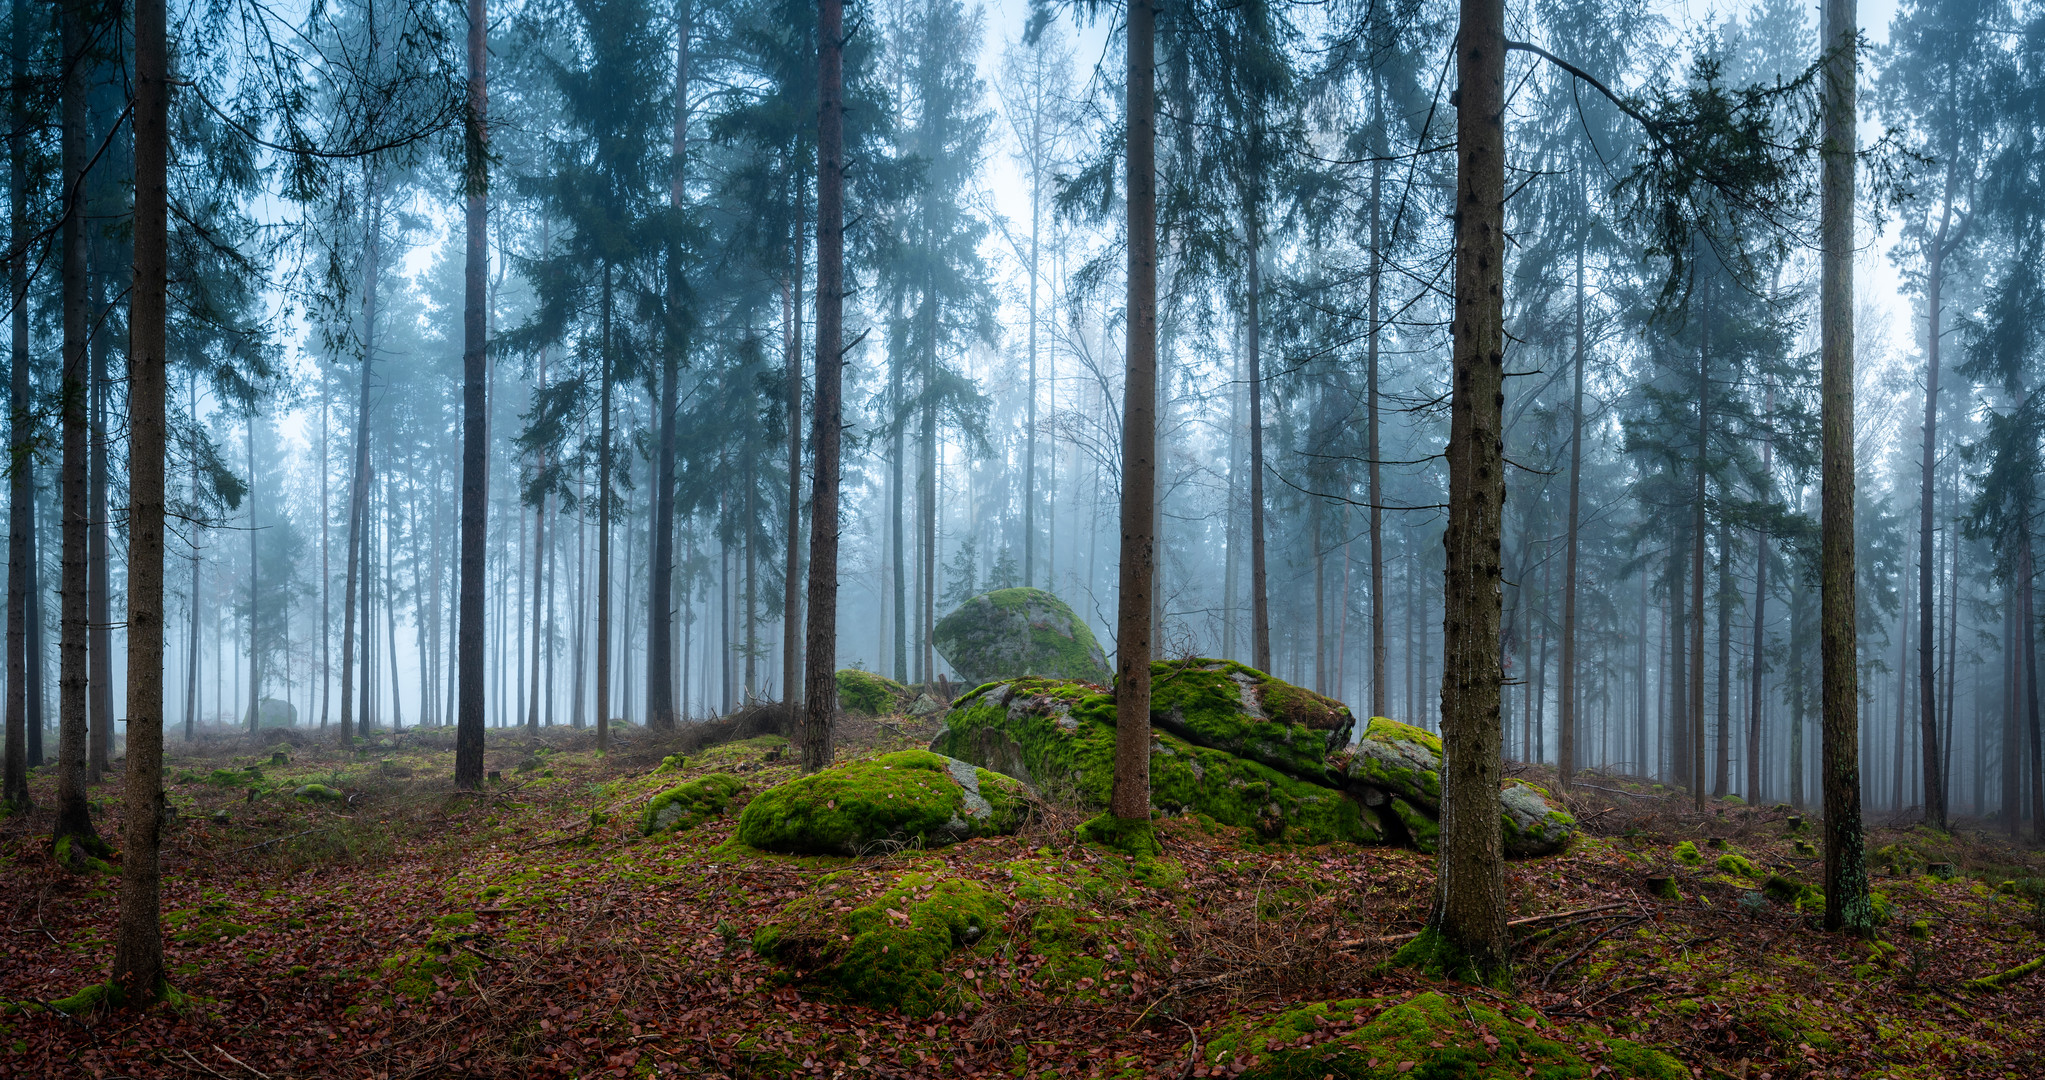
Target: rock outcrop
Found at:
1010, 633
1240, 747
910, 797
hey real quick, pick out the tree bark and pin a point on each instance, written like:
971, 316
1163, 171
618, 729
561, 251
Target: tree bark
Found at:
255, 575
1468, 916
1129, 799
138, 941
1253, 287
1695, 779
98, 579
1371, 444
74, 819
1847, 905
660, 576
603, 529
2029, 630
468, 626
1565, 736
791, 572
820, 700
20, 432
358, 485
1927, 608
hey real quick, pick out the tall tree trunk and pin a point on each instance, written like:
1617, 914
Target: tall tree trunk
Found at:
1467, 923
326, 573
1927, 609
1677, 677
1372, 449
897, 527
791, 571
358, 485
820, 699
1695, 778
138, 941
2029, 629
468, 624
254, 714
1129, 800
1253, 287
20, 430
74, 820
98, 579
1760, 665
603, 531
1035, 151
542, 609
1723, 760
660, 577
1847, 905
1565, 718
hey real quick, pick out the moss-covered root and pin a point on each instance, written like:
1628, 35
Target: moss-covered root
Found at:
1433, 953
111, 995
84, 854
2002, 979
1129, 837
682, 808
1431, 1035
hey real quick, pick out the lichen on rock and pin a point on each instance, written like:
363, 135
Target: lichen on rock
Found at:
1010, 633
907, 797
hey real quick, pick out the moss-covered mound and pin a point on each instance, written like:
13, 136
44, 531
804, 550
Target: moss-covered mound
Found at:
907, 797
1241, 747
1014, 632
1060, 737
867, 694
1429, 1036
679, 809
886, 950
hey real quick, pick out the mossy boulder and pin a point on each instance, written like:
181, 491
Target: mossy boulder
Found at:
1238, 746
1009, 633
679, 809
1430, 1035
1060, 737
867, 694
1395, 758
888, 949
907, 797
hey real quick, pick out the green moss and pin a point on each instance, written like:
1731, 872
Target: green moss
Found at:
1423, 833
1020, 632
680, 809
1432, 953
1138, 838
1395, 758
209, 922
81, 854
1807, 898
890, 950
1223, 705
1899, 859
1738, 866
1686, 853
868, 694
1430, 1037
318, 793
673, 763
910, 796
1060, 737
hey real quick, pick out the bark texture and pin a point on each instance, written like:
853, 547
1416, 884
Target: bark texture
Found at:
820, 702
469, 625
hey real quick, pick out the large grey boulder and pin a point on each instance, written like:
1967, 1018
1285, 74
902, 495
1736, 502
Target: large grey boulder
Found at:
1012, 633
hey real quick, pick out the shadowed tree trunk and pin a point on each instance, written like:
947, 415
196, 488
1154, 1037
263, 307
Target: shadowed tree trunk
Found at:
468, 627
820, 701
791, 572
73, 817
138, 941
1565, 738
1927, 609
603, 530
1253, 287
1695, 777
1129, 800
20, 432
660, 576
358, 485
1466, 931
1847, 905
1760, 666
1371, 446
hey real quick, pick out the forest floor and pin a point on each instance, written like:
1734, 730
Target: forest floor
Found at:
410, 930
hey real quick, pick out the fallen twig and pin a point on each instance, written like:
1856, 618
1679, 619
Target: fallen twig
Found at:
2004, 978
1531, 920
1588, 946
240, 1062
203, 1065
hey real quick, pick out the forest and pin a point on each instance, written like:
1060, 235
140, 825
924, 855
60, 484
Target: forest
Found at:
1177, 538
